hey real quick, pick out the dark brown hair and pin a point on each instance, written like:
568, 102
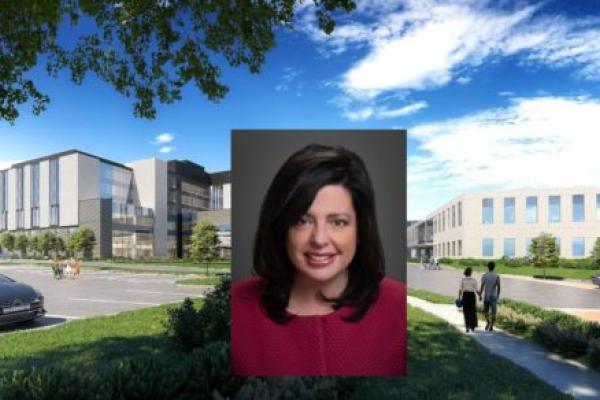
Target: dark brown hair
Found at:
290, 195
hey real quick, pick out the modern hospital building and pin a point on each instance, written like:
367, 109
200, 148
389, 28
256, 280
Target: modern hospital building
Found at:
144, 208
498, 224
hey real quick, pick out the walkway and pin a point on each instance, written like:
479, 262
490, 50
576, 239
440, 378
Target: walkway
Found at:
568, 376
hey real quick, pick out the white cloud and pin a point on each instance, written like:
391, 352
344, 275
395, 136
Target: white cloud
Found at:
288, 79
163, 138
535, 142
365, 113
506, 93
166, 149
423, 44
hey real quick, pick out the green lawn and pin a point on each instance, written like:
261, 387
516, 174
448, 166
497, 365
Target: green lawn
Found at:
211, 280
88, 342
442, 362
431, 296
558, 273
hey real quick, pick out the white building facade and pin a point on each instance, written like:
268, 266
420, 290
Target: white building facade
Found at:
497, 224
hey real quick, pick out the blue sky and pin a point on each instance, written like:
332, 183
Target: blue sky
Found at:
494, 95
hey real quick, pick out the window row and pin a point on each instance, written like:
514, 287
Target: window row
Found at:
509, 247
531, 209
448, 249
448, 218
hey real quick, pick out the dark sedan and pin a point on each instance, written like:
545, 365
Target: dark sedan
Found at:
596, 280
19, 302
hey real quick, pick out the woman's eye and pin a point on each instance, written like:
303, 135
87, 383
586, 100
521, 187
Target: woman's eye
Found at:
302, 221
339, 223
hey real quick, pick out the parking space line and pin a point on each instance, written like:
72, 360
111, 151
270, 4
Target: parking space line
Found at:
167, 293
62, 316
115, 301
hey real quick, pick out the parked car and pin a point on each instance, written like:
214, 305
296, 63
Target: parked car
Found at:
19, 302
596, 280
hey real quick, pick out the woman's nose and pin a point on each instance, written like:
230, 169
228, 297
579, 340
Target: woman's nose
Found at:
319, 236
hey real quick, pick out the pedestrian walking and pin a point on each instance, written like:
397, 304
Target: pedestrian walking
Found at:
490, 288
466, 293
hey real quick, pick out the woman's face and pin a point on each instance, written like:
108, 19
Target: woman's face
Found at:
322, 243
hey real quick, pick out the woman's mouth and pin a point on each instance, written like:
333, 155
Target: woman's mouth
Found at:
317, 260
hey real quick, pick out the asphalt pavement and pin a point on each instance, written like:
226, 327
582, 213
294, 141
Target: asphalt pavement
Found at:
97, 293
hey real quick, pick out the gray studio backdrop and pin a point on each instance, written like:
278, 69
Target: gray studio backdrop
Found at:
258, 154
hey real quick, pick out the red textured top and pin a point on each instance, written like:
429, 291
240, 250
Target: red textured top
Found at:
319, 344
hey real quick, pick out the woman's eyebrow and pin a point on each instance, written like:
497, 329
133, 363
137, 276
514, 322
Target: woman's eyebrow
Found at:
339, 214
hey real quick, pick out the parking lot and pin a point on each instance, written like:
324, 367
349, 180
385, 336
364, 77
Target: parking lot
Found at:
97, 293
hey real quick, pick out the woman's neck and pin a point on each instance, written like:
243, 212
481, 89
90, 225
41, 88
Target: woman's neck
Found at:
306, 294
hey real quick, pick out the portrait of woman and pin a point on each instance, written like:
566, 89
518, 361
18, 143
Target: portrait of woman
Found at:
319, 303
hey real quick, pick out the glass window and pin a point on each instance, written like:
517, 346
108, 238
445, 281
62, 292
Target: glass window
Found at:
578, 208
509, 210
3, 200
459, 213
488, 211
554, 209
578, 247
453, 248
443, 220
509, 247
20, 217
528, 243
453, 216
557, 244
35, 194
531, 209
598, 206
460, 247
487, 247
54, 192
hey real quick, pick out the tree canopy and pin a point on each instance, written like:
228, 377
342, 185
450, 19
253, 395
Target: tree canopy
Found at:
205, 242
148, 49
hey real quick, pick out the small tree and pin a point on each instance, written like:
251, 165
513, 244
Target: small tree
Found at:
44, 243
596, 253
544, 251
58, 245
8, 242
21, 244
33, 245
205, 243
82, 240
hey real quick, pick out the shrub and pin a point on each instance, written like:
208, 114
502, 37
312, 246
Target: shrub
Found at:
48, 383
473, 262
184, 324
146, 378
292, 388
191, 328
565, 342
594, 354
209, 371
517, 322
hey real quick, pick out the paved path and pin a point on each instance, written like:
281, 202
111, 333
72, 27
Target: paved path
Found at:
568, 376
578, 298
